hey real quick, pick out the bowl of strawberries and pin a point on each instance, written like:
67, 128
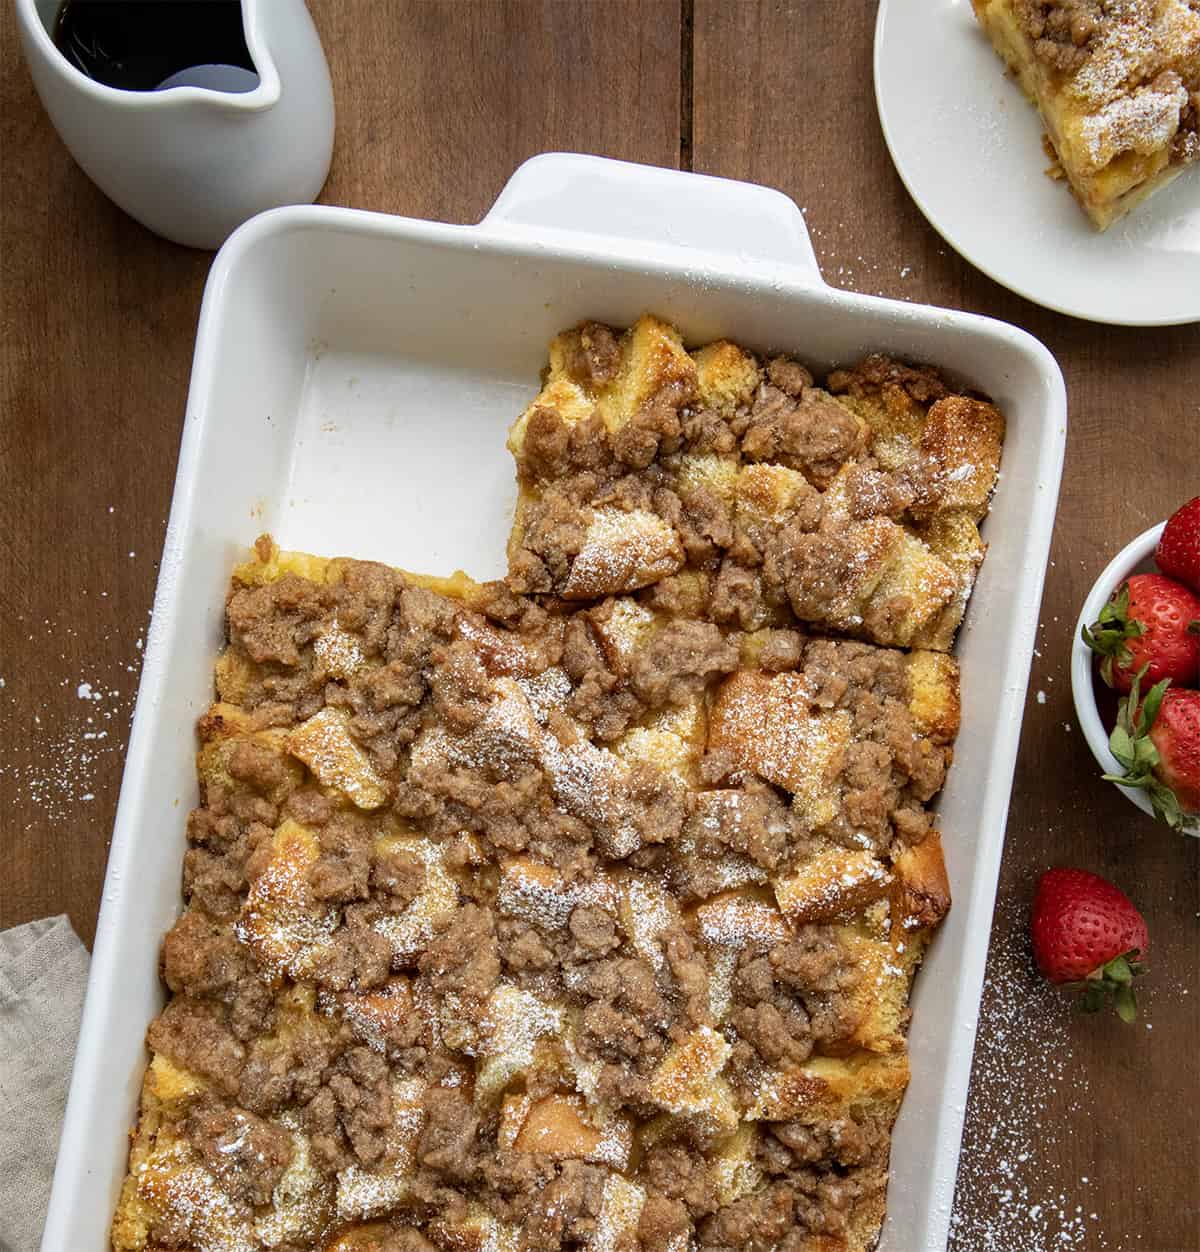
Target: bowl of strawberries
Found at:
1135, 670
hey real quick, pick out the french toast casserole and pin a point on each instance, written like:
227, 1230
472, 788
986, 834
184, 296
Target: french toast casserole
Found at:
1117, 83
580, 909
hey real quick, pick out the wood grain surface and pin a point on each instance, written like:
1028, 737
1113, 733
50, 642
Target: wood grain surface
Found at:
1081, 1134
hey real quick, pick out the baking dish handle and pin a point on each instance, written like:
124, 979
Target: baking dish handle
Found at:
642, 210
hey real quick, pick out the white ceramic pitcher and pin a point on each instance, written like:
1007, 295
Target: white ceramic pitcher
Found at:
192, 163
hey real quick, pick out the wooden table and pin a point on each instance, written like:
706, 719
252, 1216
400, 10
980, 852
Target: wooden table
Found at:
1081, 1133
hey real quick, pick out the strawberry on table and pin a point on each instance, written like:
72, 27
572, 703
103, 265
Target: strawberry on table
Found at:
1158, 743
1087, 935
1151, 622
1178, 552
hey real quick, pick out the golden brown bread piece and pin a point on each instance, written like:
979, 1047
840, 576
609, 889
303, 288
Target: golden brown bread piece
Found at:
1117, 88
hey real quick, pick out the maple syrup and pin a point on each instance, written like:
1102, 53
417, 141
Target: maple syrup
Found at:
144, 45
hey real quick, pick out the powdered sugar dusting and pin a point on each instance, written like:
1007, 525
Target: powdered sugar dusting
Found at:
621, 552
338, 651
1138, 41
410, 931
280, 920
301, 1198
547, 691
620, 1208
1009, 1205
721, 964
514, 1022
736, 922
1142, 122
373, 1016
536, 893
363, 1193
326, 746
60, 764
649, 916
589, 782
1132, 84
174, 1181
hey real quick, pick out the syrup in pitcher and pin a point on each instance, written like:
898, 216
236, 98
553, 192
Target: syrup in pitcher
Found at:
146, 45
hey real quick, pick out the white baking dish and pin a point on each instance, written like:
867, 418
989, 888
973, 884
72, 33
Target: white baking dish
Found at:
353, 380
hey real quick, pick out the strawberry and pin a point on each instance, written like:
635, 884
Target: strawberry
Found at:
1178, 552
1151, 628
1087, 935
1158, 743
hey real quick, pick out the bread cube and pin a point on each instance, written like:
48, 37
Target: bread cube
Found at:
475, 1231
325, 745
963, 438
622, 551
913, 588
933, 695
303, 1200
375, 1016
647, 910
513, 1024
653, 361
563, 1127
623, 626
172, 1181
766, 725
370, 1237
339, 652
953, 538
733, 1168
173, 1087
222, 730
621, 1204
726, 377
671, 739
534, 892
830, 884
878, 996
689, 1084
708, 471
769, 495
737, 919
825, 1087
288, 930
924, 895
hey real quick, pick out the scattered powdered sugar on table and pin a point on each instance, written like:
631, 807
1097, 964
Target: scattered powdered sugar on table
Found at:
1017, 1202
858, 273
65, 760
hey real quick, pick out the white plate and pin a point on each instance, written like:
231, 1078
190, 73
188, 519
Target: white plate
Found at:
967, 144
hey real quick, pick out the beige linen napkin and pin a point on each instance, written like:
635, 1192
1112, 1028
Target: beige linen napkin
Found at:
43, 973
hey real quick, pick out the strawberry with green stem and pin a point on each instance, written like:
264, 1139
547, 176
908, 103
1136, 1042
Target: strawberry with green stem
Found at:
1153, 623
1088, 937
1157, 741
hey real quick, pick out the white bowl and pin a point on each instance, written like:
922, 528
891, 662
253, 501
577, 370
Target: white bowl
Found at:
1135, 557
